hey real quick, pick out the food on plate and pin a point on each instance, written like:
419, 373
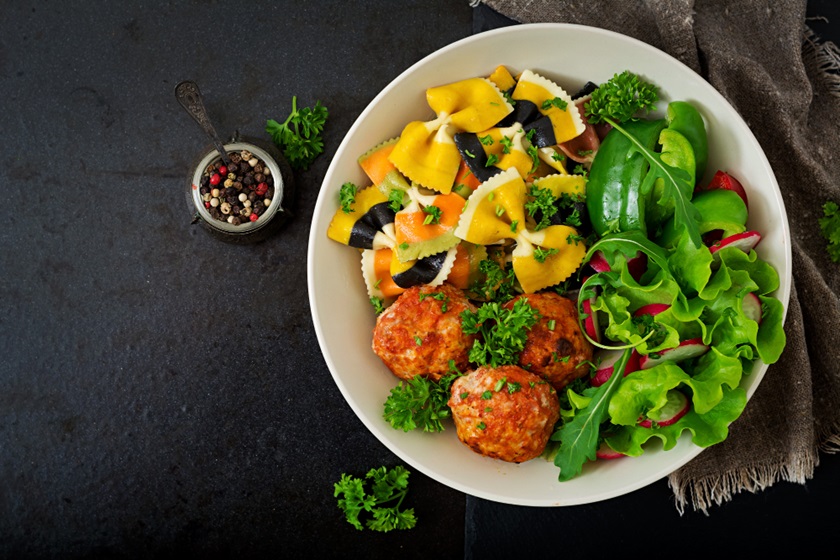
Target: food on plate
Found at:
549, 272
505, 413
556, 348
421, 332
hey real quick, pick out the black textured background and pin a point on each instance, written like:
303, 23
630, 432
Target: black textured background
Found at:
162, 393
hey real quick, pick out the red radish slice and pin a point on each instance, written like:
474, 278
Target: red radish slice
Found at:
725, 181
606, 452
636, 265
751, 306
651, 309
676, 407
591, 321
607, 362
745, 241
598, 262
686, 350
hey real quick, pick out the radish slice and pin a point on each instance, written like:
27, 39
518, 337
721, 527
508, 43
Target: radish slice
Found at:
751, 306
636, 265
605, 452
745, 241
686, 350
606, 364
598, 262
591, 321
651, 309
676, 407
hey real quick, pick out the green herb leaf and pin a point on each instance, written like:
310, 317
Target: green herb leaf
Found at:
433, 215
347, 196
503, 331
830, 229
621, 99
388, 490
579, 437
299, 137
419, 403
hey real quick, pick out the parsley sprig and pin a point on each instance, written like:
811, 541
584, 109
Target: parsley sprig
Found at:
420, 403
299, 137
388, 490
620, 99
503, 332
830, 229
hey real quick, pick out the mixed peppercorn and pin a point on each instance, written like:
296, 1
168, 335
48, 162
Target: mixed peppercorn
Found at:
238, 192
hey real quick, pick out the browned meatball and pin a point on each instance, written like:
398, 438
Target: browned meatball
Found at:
506, 413
421, 332
559, 354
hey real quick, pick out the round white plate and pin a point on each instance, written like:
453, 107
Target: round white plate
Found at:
344, 319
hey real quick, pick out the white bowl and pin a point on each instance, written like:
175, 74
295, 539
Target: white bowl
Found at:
344, 319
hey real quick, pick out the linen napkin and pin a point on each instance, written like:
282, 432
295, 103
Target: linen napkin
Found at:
785, 82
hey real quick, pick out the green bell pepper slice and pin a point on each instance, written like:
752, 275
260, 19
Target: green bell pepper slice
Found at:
613, 192
719, 210
684, 118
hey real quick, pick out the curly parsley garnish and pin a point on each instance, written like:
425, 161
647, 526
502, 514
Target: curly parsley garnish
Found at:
502, 331
347, 196
830, 229
389, 486
299, 137
621, 99
420, 403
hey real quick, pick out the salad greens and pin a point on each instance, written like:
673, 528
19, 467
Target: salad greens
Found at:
720, 299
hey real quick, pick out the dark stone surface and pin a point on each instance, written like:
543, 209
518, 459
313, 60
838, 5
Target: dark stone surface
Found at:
162, 393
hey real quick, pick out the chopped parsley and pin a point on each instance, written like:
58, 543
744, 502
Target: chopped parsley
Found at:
433, 215
541, 254
556, 102
347, 196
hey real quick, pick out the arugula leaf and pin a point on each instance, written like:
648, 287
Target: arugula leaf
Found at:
299, 137
676, 182
420, 403
503, 331
579, 437
388, 486
830, 229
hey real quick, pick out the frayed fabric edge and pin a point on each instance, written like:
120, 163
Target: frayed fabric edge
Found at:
824, 57
703, 493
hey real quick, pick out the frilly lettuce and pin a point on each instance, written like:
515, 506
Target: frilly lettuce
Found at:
705, 293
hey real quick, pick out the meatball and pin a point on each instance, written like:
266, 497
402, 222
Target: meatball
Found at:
559, 354
505, 413
421, 332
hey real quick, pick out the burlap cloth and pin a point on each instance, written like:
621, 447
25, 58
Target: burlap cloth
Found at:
785, 83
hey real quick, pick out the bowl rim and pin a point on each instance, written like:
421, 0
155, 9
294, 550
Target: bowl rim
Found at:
249, 227
687, 454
